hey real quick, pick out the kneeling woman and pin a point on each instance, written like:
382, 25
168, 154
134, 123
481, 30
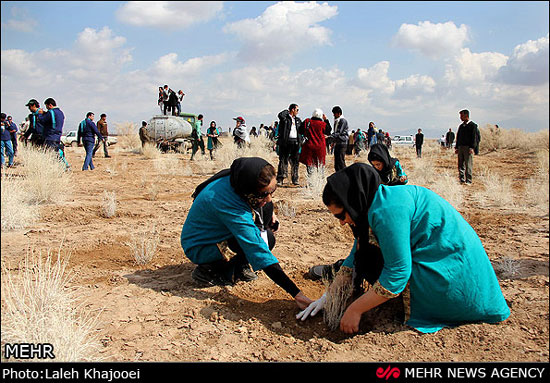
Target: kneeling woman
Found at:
389, 169
227, 228
429, 253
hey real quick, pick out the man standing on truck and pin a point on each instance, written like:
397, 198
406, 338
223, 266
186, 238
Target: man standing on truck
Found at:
196, 134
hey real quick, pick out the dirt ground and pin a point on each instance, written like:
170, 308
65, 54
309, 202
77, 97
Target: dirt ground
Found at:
157, 313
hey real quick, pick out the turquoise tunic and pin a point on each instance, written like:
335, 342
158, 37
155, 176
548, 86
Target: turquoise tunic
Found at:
217, 214
434, 258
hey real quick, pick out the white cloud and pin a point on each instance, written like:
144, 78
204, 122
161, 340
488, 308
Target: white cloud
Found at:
528, 64
283, 29
172, 15
432, 40
468, 68
20, 21
376, 78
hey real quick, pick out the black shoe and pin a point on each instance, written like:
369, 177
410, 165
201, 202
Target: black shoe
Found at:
324, 271
206, 275
244, 273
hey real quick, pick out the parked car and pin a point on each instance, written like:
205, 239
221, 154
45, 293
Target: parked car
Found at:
70, 139
402, 140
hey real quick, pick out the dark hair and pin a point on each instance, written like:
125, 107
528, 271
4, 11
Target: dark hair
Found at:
292, 106
89, 114
103, 115
199, 117
465, 111
329, 197
337, 109
266, 175
3, 115
50, 101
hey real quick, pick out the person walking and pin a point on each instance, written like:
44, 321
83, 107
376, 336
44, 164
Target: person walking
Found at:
418, 142
53, 120
313, 151
102, 127
289, 144
198, 142
465, 147
339, 138
240, 136
444, 276
371, 134
13, 134
221, 236
86, 133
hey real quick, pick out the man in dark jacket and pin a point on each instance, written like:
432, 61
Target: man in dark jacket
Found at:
418, 142
289, 144
340, 138
102, 127
86, 133
465, 146
52, 121
35, 132
449, 138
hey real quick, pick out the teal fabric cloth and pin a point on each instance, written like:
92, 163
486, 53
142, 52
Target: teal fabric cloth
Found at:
210, 143
217, 214
400, 171
427, 243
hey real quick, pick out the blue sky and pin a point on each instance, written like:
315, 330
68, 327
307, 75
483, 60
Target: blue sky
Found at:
403, 65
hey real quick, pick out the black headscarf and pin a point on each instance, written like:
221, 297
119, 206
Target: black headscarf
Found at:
380, 152
243, 176
355, 187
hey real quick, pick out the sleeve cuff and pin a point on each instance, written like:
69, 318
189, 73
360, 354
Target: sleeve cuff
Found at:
382, 291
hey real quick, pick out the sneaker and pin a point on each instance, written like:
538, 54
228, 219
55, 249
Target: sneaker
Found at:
245, 274
319, 272
205, 275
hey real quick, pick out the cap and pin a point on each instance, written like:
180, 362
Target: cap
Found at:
32, 101
240, 119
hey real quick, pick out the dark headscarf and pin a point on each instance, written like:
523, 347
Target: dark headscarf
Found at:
380, 152
243, 176
355, 187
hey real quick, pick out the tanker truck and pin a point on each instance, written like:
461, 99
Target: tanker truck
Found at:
171, 132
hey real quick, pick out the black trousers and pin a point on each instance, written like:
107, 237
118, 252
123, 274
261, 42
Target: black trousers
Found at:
288, 152
340, 156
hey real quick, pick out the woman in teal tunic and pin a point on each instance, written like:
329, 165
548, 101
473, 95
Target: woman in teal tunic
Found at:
212, 133
430, 254
220, 234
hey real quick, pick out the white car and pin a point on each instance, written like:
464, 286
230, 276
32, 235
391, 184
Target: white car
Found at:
70, 139
402, 140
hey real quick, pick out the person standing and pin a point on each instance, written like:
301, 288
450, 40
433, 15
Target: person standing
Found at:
314, 130
143, 137
449, 138
180, 99
465, 146
239, 132
197, 137
371, 135
6, 144
289, 144
165, 96
339, 138
102, 127
52, 121
419, 141
86, 133
13, 134
213, 133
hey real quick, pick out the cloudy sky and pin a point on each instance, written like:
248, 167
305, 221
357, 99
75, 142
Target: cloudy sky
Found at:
403, 65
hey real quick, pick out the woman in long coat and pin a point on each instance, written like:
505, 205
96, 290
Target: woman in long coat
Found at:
314, 130
429, 254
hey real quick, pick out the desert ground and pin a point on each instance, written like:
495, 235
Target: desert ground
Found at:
156, 312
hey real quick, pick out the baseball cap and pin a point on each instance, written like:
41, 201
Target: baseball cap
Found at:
32, 101
239, 119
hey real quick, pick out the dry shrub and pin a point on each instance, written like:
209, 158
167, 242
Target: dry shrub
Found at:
46, 180
38, 306
168, 164
507, 267
423, 173
127, 136
144, 245
493, 139
260, 146
286, 209
537, 187
315, 183
497, 191
150, 151
338, 294
447, 187
109, 204
16, 212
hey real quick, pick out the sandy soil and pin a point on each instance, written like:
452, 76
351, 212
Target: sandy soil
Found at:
157, 313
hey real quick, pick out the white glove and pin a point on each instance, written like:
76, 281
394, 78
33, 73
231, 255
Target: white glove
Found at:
313, 308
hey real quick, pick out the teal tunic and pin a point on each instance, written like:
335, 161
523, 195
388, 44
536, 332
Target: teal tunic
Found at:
217, 214
434, 258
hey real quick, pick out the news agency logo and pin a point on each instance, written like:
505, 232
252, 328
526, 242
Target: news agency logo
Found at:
388, 373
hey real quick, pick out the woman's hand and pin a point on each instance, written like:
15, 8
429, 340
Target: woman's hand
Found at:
350, 321
302, 301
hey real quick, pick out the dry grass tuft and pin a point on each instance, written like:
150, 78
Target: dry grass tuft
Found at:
109, 204
144, 245
38, 306
338, 294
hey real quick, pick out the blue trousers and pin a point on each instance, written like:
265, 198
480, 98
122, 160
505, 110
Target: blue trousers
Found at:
7, 145
89, 147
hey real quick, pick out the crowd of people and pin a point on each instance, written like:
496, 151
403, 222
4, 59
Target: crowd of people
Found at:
170, 101
44, 128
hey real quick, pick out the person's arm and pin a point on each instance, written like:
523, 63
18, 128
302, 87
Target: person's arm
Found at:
94, 129
277, 275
